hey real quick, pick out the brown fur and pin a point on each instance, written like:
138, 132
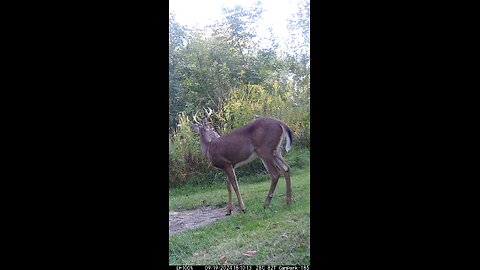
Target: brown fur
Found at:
261, 137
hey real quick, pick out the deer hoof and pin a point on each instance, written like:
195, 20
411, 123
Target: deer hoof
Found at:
243, 210
229, 212
266, 204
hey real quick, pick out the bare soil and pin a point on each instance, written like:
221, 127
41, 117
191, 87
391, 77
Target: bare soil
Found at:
190, 219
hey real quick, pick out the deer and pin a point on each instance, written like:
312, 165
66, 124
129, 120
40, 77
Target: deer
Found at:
260, 138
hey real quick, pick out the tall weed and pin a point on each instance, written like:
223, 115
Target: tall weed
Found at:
284, 102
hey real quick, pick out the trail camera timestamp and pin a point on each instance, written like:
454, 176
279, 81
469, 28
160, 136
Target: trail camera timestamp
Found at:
246, 267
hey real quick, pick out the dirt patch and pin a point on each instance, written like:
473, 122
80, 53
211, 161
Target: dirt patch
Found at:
190, 219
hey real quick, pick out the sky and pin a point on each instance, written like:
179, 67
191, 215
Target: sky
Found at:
200, 13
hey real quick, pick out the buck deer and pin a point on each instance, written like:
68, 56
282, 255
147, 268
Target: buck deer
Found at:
261, 138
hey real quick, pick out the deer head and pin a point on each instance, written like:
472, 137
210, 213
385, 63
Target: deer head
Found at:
206, 131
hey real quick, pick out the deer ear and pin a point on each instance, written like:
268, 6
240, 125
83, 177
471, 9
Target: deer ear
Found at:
195, 128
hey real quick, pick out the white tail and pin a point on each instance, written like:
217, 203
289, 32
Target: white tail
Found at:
286, 134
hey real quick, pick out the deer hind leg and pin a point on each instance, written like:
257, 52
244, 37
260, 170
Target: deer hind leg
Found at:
269, 163
283, 166
229, 203
233, 181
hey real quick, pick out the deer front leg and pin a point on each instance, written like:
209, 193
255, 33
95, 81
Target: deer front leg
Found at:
229, 203
233, 181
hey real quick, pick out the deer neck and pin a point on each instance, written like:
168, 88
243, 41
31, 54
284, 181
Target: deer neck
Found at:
205, 145
206, 138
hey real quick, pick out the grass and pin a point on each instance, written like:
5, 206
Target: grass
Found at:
280, 234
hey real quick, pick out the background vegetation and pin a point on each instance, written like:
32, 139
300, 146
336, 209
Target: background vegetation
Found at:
225, 67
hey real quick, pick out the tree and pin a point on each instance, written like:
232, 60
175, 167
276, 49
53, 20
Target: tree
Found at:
205, 66
299, 27
176, 40
238, 30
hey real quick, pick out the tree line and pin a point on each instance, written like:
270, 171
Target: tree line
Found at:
225, 68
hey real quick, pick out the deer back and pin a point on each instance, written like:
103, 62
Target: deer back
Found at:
261, 135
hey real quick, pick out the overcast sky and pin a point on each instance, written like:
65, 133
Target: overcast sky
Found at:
200, 13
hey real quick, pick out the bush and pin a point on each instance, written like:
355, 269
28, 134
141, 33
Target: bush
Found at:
253, 101
186, 162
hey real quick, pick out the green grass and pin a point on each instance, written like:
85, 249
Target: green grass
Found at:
279, 234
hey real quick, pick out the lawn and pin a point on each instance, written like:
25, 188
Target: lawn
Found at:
279, 235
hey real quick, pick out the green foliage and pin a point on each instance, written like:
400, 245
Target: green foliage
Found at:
282, 102
244, 105
299, 27
223, 68
185, 160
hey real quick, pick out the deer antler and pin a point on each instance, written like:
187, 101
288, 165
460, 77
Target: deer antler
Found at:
208, 113
195, 118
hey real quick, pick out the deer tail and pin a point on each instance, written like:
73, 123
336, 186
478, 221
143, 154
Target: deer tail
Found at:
287, 133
